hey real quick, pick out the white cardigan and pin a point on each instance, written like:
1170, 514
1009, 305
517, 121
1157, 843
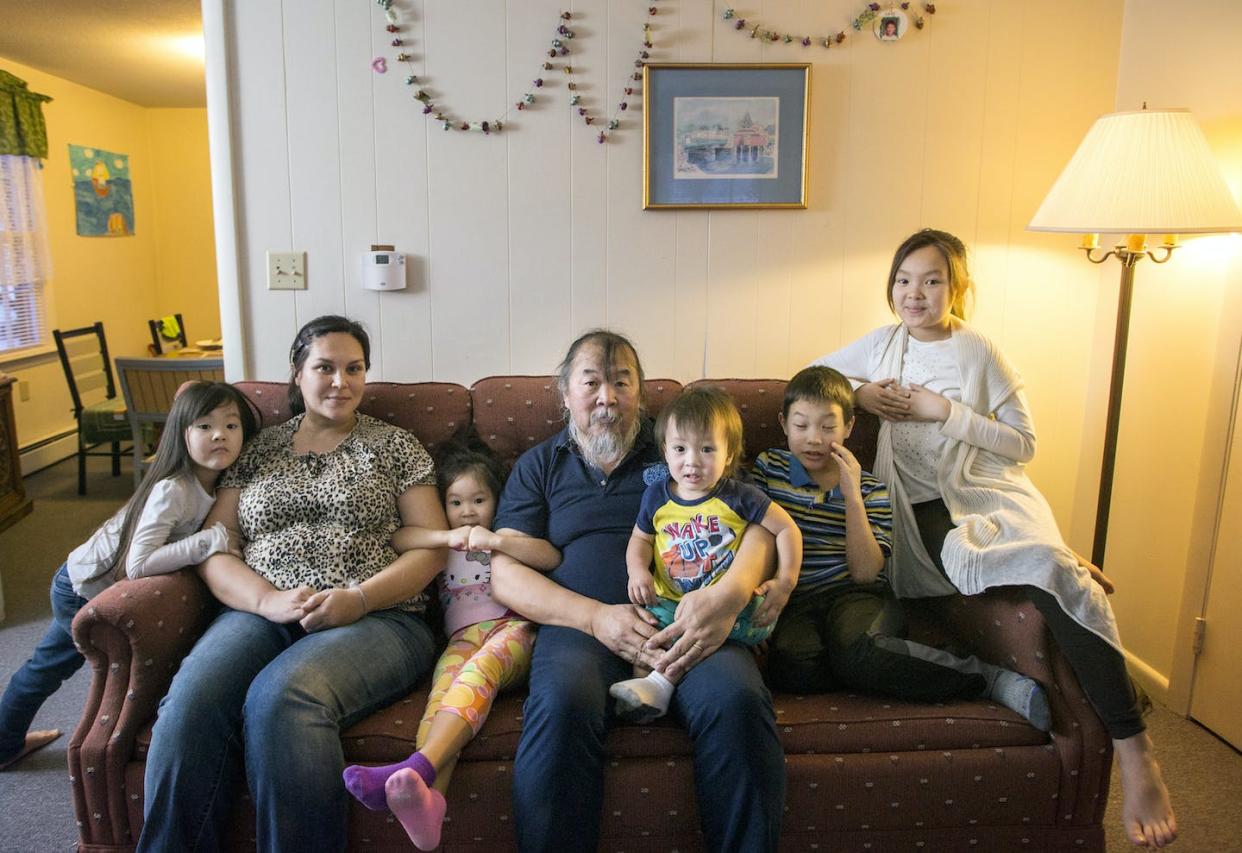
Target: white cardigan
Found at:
1005, 533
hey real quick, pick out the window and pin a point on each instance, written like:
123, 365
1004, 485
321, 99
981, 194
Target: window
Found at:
24, 264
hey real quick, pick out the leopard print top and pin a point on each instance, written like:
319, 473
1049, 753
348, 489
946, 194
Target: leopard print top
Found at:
326, 519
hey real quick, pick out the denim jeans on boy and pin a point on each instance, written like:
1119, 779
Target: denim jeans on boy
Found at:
264, 704
54, 659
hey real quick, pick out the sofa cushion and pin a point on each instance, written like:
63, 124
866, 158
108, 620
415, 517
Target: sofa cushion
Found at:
836, 723
514, 413
433, 411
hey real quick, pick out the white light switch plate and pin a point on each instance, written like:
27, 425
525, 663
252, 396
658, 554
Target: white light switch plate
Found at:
286, 270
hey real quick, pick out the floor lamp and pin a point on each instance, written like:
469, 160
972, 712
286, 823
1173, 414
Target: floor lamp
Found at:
1141, 173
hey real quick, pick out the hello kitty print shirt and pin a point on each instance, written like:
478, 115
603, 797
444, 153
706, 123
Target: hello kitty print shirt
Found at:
466, 591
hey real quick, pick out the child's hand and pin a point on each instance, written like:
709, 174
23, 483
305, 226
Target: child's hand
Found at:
481, 539
775, 592
886, 399
848, 466
459, 538
641, 589
236, 544
285, 605
1096, 574
927, 405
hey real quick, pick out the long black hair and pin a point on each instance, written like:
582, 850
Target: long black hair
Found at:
466, 453
300, 351
172, 456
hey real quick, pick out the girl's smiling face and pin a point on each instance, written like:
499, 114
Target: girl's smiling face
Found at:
923, 295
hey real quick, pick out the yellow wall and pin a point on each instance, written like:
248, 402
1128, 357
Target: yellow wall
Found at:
1185, 331
185, 257
121, 281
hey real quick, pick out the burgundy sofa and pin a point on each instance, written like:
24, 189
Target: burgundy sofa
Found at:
865, 773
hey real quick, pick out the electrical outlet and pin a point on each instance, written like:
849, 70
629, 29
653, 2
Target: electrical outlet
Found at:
286, 270
23, 391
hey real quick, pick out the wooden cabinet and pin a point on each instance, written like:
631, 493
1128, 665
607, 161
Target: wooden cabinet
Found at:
13, 501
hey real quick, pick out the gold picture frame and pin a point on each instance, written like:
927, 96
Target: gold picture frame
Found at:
726, 136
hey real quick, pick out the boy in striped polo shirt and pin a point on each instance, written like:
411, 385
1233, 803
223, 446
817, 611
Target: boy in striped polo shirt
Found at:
840, 627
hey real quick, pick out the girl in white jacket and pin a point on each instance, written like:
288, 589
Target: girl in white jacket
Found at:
155, 532
953, 443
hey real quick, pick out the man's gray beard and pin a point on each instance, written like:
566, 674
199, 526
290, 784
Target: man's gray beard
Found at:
605, 448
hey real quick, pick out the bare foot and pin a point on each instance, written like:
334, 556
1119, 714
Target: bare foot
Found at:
34, 740
1146, 812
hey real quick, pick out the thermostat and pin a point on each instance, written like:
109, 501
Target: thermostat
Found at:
383, 269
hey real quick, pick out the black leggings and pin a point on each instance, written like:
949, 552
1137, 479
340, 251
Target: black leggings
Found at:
1100, 668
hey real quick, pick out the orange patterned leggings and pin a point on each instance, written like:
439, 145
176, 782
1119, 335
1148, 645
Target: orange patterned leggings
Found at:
480, 661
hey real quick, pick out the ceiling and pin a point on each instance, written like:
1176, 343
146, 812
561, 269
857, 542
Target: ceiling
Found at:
148, 52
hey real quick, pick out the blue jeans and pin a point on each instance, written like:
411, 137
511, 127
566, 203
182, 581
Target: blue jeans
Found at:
266, 703
558, 784
52, 662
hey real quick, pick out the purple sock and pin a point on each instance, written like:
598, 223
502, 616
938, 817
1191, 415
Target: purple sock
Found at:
367, 783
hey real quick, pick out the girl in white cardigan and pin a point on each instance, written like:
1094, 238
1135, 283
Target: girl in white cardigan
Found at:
954, 439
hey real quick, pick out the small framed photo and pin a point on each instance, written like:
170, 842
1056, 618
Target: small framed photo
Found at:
890, 25
725, 135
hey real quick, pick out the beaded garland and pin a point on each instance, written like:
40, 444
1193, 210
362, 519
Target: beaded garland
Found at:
867, 15
557, 50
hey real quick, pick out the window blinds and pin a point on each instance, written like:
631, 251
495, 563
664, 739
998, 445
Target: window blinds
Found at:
24, 263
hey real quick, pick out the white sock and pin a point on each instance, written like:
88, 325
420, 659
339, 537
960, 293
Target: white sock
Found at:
641, 700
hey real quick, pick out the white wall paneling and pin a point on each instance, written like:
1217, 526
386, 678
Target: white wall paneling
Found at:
518, 242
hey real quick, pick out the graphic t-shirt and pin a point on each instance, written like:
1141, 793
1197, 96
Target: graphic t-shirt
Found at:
696, 541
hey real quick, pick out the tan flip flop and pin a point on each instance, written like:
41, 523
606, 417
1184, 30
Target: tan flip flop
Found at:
34, 741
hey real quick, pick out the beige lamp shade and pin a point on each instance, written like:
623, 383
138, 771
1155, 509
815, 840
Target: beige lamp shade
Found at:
1142, 172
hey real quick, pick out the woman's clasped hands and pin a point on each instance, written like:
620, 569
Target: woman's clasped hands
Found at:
889, 400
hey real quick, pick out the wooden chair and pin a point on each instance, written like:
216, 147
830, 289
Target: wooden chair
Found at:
161, 344
100, 413
149, 386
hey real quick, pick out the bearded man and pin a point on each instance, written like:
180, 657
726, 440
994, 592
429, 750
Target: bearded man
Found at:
581, 490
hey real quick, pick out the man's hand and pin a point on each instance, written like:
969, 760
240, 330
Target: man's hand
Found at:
703, 621
624, 630
775, 594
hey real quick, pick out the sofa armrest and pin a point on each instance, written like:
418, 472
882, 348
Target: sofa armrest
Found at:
1004, 627
134, 634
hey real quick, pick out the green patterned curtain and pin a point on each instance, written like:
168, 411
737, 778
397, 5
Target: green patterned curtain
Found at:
22, 130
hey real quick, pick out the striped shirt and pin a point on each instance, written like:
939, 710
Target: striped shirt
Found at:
821, 516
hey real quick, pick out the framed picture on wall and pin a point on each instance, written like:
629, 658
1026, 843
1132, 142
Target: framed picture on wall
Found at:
725, 135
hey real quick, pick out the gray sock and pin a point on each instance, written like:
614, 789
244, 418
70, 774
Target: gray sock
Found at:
1023, 695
